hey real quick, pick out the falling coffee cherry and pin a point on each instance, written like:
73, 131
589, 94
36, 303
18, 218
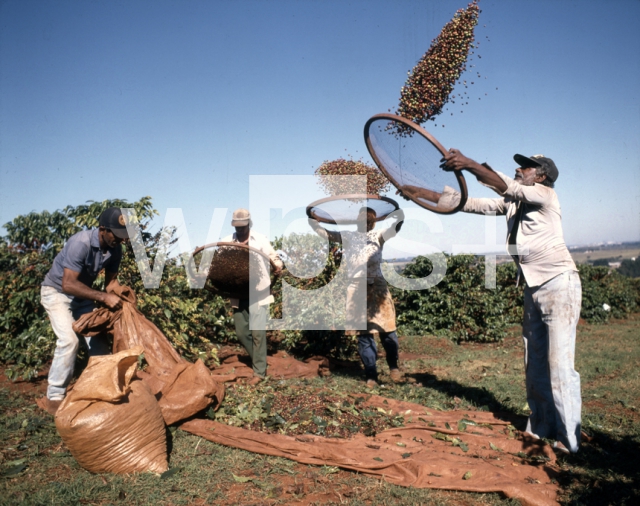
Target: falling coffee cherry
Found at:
377, 182
431, 81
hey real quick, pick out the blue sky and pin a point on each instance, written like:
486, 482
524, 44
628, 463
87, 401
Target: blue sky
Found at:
186, 100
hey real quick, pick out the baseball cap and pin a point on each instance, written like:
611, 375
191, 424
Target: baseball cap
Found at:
113, 219
538, 161
241, 218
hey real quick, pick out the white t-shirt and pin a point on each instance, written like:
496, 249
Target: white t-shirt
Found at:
362, 251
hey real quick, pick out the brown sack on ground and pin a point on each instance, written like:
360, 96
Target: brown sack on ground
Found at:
279, 366
182, 388
186, 392
430, 451
111, 422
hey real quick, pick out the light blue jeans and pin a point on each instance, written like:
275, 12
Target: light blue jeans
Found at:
551, 313
63, 311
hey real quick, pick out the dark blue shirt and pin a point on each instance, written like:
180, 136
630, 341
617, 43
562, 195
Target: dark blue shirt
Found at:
82, 254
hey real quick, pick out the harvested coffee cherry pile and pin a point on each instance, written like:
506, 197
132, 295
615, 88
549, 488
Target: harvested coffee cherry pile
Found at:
376, 181
230, 269
432, 80
293, 411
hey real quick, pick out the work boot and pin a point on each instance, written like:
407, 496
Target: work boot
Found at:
396, 375
371, 383
48, 405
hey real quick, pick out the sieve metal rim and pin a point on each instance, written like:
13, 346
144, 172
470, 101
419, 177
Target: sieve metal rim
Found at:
238, 245
349, 196
430, 138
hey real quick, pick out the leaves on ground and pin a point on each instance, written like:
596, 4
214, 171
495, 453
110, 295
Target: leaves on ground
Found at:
170, 473
298, 410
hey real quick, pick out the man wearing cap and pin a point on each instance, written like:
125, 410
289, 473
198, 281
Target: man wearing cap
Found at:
250, 319
66, 294
552, 294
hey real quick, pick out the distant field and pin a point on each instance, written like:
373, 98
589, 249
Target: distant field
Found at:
583, 257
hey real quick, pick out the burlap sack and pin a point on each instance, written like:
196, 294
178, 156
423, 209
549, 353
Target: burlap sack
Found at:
112, 423
182, 388
187, 391
420, 454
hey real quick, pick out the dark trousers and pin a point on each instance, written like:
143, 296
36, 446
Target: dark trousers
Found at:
369, 352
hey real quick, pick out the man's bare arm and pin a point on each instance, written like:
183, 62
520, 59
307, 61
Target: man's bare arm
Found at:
324, 233
71, 285
390, 232
455, 160
416, 192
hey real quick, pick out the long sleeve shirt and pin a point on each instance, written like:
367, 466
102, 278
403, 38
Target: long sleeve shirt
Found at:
539, 231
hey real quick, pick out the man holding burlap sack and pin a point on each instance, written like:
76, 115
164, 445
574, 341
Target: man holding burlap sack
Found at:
66, 294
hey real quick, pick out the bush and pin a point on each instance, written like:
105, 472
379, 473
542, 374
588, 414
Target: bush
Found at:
316, 253
630, 268
602, 286
189, 318
460, 307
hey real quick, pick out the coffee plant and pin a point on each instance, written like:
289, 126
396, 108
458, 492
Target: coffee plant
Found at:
189, 318
607, 294
459, 307
324, 257
630, 267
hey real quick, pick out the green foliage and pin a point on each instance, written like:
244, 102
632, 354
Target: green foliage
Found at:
314, 253
20, 278
602, 286
189, 318
25, 333
630, 267
460, 307
49, 231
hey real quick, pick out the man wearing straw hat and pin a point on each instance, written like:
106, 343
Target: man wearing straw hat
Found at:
250, 319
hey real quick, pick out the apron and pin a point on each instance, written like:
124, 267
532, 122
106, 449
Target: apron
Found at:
381, 312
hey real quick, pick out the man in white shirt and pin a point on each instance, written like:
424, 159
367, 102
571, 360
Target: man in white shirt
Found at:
249, 318
363, 259
552, 295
